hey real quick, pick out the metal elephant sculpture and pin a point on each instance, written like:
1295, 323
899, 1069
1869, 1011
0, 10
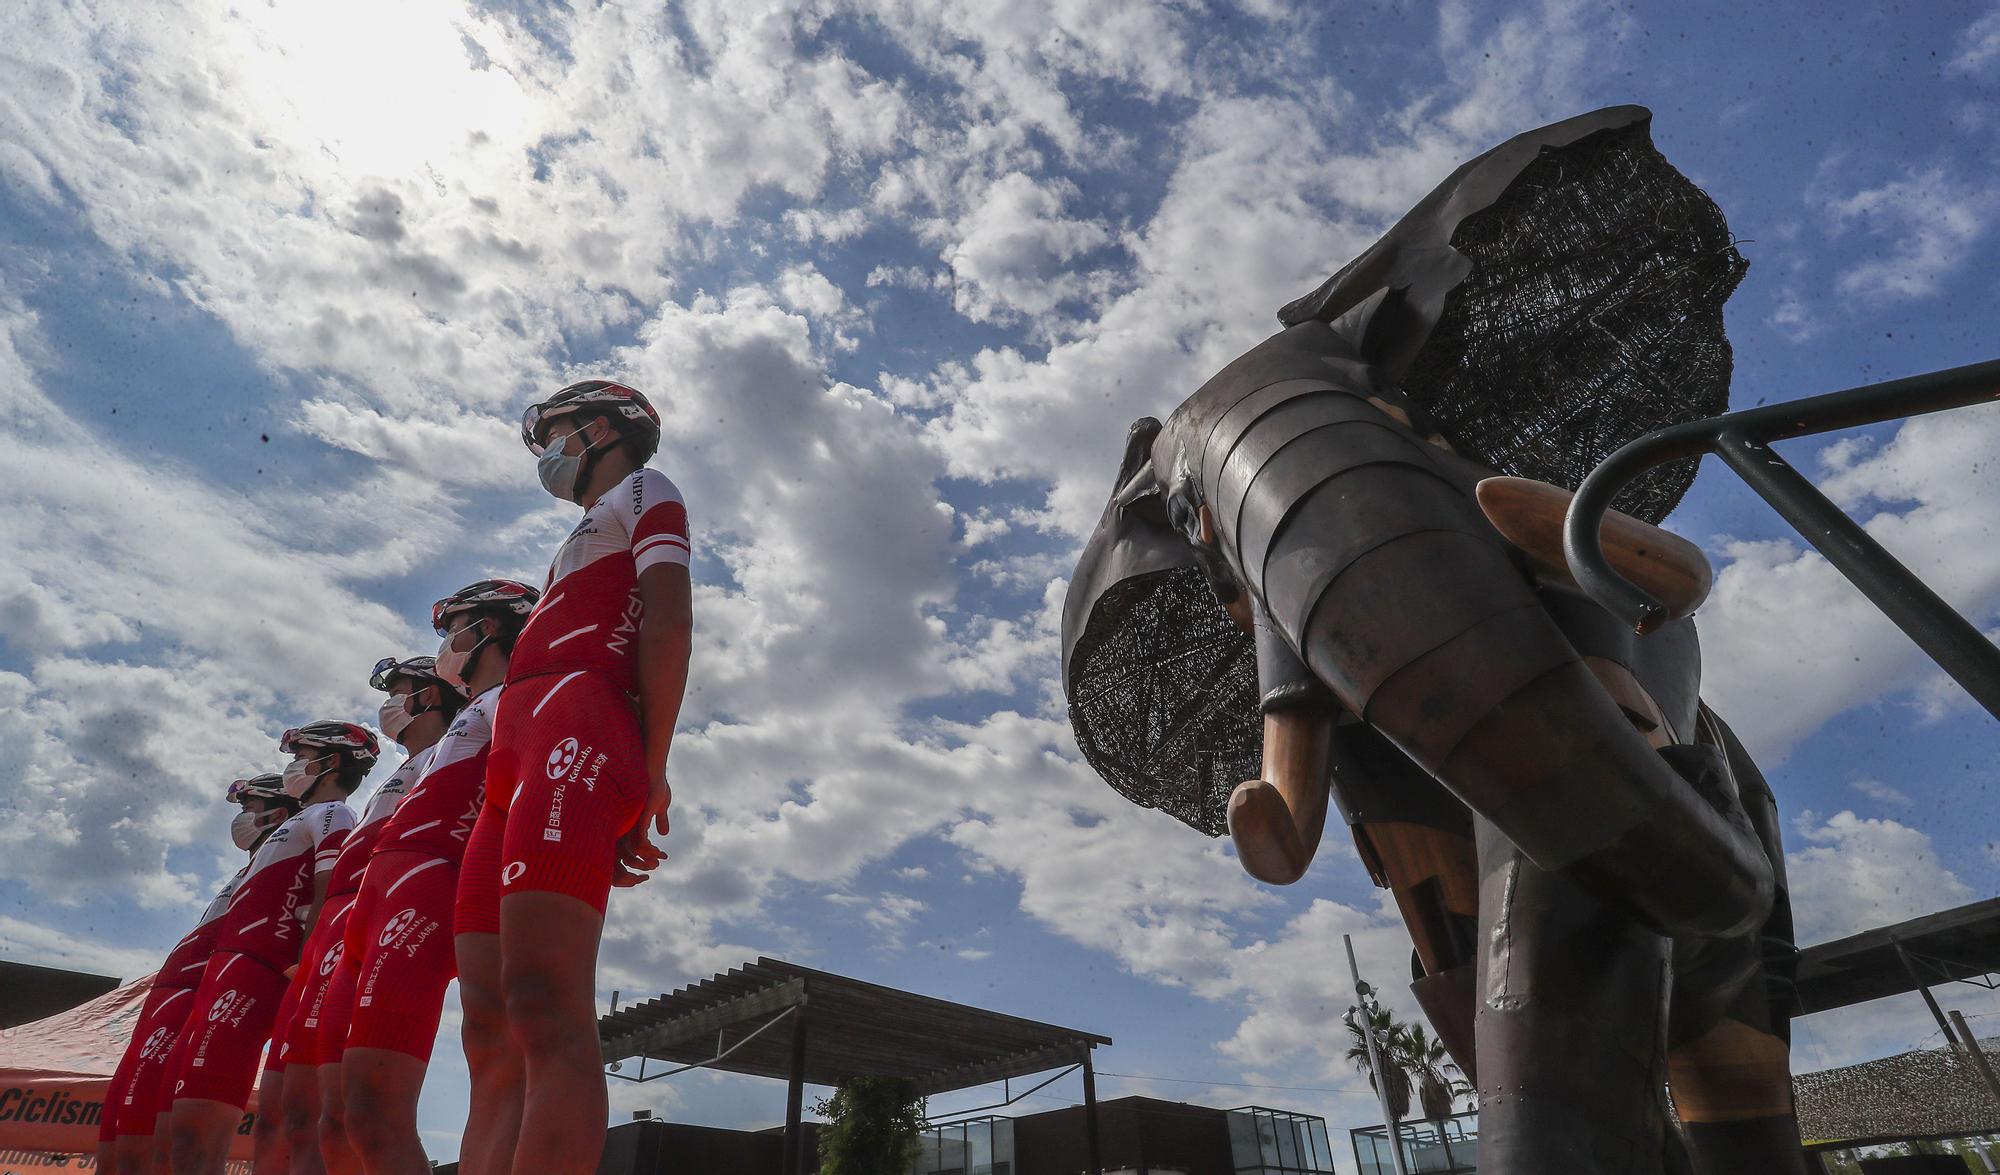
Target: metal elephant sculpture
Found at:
1313, 580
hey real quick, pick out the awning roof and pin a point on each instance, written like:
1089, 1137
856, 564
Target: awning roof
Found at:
1949, 945
1929, 1093
853, 1029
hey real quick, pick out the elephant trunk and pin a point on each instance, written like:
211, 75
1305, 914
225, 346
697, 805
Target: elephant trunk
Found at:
1365, 546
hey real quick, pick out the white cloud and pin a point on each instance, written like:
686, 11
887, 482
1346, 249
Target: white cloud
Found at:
1880, 792
1852, 874
1014, 251
1981, 41
1929, 221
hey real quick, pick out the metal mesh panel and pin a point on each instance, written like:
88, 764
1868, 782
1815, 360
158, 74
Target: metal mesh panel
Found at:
1593, 314
1163, 697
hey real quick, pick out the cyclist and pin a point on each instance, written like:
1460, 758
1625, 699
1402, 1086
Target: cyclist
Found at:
237, 1002
401, 933
578, 771
126, 1132
414, 714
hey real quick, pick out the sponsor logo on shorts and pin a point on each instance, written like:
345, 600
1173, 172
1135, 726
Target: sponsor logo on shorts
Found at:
562, 758
394, 927
512, 873
222, 1005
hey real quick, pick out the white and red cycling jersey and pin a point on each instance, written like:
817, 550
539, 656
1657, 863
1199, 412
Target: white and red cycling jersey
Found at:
437, 815
588, 618
264, 914
360, 844
184, 964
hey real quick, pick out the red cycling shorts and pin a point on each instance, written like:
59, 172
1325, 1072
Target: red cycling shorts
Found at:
280, 1043
337, 1009
234, 1009
318, 961
406, 960
477, 908
568, 772
136, 1083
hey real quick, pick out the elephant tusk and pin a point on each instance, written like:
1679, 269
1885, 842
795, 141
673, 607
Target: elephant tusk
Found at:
1275, 822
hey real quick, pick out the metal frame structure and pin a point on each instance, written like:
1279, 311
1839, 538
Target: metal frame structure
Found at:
842, 1028
1743, 441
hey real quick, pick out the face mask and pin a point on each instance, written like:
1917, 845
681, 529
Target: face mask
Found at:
394, 717
299, 778
559, 471
451, 663
248, 827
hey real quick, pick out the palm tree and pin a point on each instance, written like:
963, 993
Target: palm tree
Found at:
1386, 1032
1439, 1082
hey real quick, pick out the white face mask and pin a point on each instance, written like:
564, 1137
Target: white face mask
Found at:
249, 826
300, 777
395, 717
561, 472
452, 662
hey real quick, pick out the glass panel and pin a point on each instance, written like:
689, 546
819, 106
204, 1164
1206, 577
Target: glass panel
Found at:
979, 1148
1267, 1137
1321, 1147
1243, 1153
1003, 1146
1288, 1142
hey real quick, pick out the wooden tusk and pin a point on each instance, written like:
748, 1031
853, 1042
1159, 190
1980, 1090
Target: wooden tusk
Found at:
1276, 822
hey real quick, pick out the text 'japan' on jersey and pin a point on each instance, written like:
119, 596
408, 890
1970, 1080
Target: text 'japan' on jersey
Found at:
354, 851
263, 916
588, 618
184, 964
438, 814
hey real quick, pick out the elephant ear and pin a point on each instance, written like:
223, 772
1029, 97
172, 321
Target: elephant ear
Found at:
1562, 294
1161, 684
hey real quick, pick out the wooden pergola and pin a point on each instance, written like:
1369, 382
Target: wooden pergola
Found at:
776, 1019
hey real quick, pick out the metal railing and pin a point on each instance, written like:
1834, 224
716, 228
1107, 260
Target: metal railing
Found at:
1743, 441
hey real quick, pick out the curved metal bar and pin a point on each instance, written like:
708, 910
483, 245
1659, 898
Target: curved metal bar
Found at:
1742, 440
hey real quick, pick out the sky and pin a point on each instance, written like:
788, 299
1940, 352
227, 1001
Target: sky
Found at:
276, 281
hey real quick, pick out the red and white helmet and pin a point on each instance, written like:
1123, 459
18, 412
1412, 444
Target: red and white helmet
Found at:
504, 596
356, 742
268, 786
420, 669
627, 408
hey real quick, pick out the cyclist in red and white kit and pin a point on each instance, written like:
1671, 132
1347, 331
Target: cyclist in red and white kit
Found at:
400, 934
415, 713
420, 705
126, 1132
579, 765
237, 1003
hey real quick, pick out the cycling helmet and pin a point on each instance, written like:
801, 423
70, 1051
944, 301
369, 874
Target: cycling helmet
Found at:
356, 742
504, 596
422, 669
268, 786
630, 413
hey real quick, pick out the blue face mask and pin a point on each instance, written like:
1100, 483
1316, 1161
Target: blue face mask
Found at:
559, 471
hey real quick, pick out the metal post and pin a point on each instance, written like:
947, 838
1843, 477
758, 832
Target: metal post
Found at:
1361, 992
1951, 640
1090, 1115
1977, 1054
1937, 1013
795, 1140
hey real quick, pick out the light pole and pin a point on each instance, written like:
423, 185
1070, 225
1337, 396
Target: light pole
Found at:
1364, 995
